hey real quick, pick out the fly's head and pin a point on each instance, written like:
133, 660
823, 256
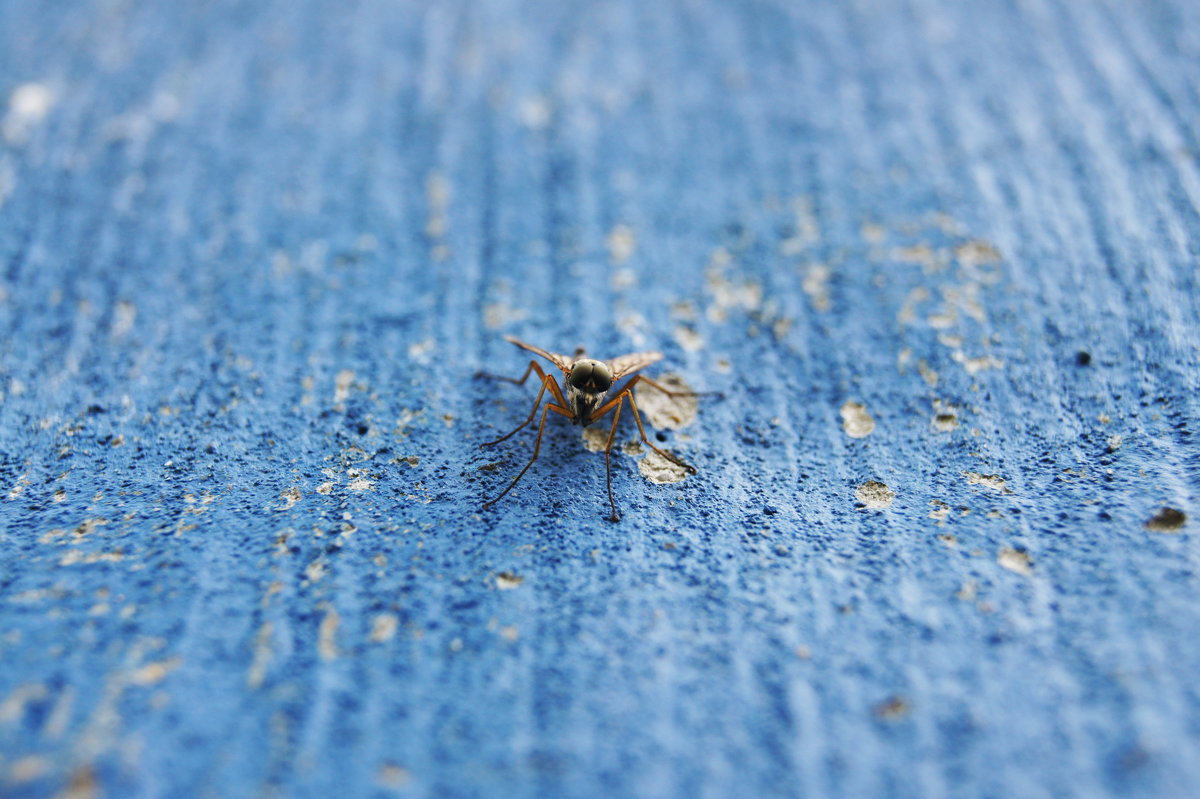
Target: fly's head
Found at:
588, 383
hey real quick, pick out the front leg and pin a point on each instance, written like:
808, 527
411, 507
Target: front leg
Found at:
532, 411
532, 367
669, 392
537, 446
637, 417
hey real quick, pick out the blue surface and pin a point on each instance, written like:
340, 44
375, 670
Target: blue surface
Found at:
252, 253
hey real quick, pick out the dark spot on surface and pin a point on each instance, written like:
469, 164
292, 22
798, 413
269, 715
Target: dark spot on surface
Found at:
1083, 358
770, 510
1132, 758
362, 429
95, 409
892, 708
661, 436
1167, 520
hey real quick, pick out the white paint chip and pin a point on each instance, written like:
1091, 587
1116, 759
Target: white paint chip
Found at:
856, 420
383, 627
875, 495
621, 243
657, 469
992, 481
1016, 560
28, 105
290, 497
595, 438
666, 412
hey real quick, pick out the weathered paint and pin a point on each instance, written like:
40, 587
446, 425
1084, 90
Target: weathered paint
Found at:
252, 253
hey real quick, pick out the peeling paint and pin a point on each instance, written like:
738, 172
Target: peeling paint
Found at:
856, 421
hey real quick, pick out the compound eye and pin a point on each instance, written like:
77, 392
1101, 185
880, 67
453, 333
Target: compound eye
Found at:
590, 376
581, 373
601, 377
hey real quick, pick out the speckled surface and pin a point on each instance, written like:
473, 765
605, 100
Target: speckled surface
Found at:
939, 257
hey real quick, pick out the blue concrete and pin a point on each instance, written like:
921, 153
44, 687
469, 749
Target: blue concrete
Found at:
252, 253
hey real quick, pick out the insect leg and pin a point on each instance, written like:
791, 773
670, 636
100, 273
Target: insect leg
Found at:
533, 367
537, 446
612, 434
671, 393
532, 412
637, 417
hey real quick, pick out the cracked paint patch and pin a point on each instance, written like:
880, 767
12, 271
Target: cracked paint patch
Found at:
657, 469
665, 412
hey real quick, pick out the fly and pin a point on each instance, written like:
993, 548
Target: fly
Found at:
588, 382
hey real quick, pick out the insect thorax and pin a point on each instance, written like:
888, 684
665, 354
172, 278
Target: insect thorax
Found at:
584, 403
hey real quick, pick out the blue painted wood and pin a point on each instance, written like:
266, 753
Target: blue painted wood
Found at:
252, 254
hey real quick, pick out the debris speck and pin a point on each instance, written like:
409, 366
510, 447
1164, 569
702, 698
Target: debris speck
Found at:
421, 351
154, 673
391, 775
1016, 560
124, 315
325, 488
383, 627
974, 253
290, 497
892, 709
621, 243
506, 581
1167, 520
262, 656
929, 375
856, 421
872, 232
945, 417
875, 495
816, 286
327, 635
342, 384
1114, 442
976, 365
28, 105
361, 484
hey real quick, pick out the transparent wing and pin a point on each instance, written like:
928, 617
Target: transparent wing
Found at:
628, 364
558, 359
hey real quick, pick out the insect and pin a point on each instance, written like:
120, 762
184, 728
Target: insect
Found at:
588, 382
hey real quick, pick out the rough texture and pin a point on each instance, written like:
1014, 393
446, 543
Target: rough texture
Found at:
252, 253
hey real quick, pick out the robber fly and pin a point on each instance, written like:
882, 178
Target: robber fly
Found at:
588, 382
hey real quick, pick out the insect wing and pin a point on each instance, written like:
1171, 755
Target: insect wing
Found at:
628, 364
558, 359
